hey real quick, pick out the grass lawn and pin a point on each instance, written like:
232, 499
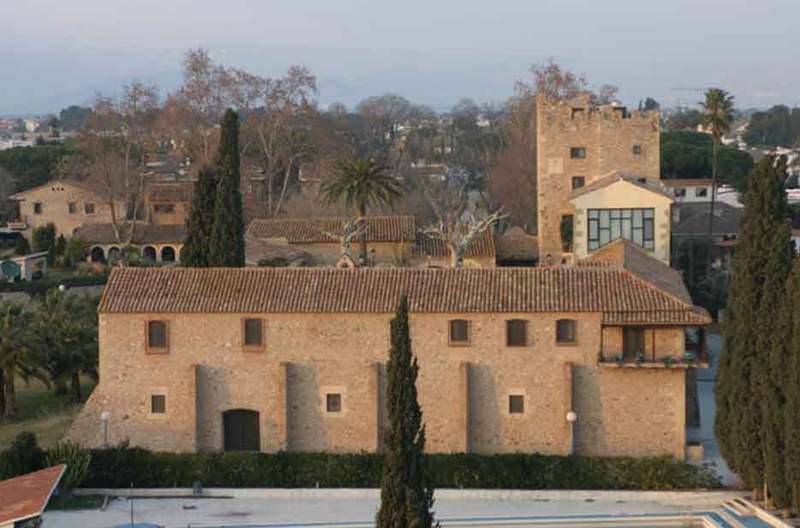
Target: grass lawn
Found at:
41, 411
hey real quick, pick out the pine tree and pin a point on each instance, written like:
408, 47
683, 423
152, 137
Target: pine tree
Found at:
791, 411
201, 219
748, 425
406, 495
226, 247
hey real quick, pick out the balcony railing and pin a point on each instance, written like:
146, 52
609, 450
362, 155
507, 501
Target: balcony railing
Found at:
695, 355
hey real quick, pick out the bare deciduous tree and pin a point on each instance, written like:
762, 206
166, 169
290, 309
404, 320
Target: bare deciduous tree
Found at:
456, 226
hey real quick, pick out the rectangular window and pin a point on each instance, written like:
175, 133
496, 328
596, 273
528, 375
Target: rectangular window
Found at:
459, 332
88, 208
37, 208
157, 336
517, 333
333, 403
577, 152
566, 331
679, 192
608, 225
700, 192
578, 182
164, 208
72, 207
637, 150
158, 404
253, 333
632, 343
516, 404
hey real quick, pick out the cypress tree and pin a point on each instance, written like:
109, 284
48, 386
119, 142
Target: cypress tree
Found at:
406, 495
201, 219
226, 247
791, 411
749, 424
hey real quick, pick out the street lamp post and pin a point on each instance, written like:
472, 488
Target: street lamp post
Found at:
572, 417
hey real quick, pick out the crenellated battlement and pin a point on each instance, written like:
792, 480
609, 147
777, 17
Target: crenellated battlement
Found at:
581, 112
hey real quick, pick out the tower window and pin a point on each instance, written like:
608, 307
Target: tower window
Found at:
577, 152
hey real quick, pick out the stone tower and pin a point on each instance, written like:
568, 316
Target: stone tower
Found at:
578, 143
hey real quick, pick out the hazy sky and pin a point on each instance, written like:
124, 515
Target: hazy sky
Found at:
54, 53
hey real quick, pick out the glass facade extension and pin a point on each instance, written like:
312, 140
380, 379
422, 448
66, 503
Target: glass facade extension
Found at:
608, 225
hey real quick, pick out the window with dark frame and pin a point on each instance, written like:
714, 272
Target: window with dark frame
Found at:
679, 192
37, 208
253, 333
700, 192
157, 334
637, 150
333, 403
459, 331
88, 208
577, 152
516, 404
164, 208
578, 182
608, 225
72, 207
158, 404
566, 331
516, 333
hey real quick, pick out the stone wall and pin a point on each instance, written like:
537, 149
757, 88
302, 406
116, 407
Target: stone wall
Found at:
608, 137
463, 390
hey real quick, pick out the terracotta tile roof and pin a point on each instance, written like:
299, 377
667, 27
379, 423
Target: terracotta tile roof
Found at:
257, 250
143, 234
312, 230
636, 260
78, 184
426, 245
602, 288
614, 177
516, 244
170, 193
26, 496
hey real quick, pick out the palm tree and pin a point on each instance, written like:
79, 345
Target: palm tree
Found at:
717, 118
15, 354
362, 184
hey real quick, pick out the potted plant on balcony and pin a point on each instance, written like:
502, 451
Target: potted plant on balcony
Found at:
668, 361
689, 357
639, 358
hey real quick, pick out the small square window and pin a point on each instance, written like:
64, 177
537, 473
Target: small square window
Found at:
566, 331
517, 333
37, 208
578, 182
158, 404
333, 403
459, 332
637, 150
88, 208
679, 192
253, 333
700, 192
577, 152
516, 404
157, 335
72, 207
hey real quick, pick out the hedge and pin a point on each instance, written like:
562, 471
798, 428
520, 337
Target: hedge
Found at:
41, 286
121, 466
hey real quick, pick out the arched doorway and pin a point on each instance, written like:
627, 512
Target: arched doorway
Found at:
241, 430
97, 254
113, 253
167, 254
149, 253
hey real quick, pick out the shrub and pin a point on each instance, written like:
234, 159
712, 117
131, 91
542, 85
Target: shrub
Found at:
77, 460
23, 456
123, 466
21, 246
